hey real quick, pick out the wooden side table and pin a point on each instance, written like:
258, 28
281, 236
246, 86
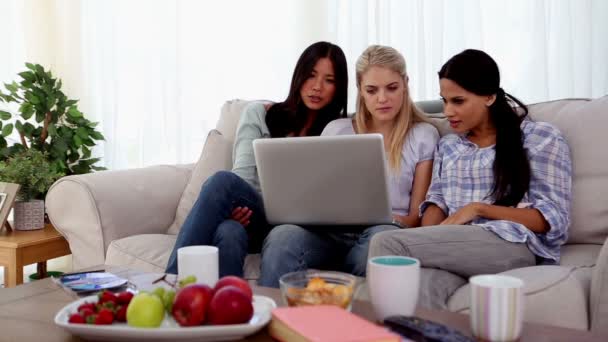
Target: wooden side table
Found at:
19, 248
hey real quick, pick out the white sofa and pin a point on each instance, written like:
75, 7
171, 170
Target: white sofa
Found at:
131, 217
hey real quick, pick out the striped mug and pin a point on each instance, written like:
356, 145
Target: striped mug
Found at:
497, 307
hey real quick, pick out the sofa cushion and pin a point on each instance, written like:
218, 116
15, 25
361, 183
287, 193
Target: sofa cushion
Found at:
583, 124
216, 156
229, 118
150, 253
598, 299
553, 296
579, 255
143, 252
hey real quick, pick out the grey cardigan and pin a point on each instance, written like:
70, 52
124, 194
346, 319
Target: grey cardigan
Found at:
252, 125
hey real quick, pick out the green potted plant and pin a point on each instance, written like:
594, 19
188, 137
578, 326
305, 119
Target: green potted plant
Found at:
32, 170
47, 121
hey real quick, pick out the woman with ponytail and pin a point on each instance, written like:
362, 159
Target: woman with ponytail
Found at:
384, 106
500, 194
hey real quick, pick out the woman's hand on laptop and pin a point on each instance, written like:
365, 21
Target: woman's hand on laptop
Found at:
241, 215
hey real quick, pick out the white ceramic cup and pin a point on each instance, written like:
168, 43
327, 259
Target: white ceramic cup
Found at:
199, 261
497, 307
393, 283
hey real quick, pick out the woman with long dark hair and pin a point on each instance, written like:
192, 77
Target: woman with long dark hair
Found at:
500, 194
229, 201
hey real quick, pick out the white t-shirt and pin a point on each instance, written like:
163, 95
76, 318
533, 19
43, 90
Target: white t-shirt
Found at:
419, 146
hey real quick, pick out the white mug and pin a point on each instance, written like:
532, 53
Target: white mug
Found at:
199, 261
393, 283
497, 307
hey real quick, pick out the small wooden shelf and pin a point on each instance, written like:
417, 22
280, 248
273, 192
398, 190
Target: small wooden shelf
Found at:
19, 248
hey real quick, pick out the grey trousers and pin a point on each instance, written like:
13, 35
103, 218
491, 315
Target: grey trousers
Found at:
449, 255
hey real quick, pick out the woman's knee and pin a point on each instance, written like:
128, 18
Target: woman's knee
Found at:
230, 232
389, 242
219, 180
285, 236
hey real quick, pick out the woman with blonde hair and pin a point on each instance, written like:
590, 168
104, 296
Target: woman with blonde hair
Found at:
384, 106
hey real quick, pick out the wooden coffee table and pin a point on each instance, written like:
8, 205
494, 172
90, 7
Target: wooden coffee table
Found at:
19, 248
27, 313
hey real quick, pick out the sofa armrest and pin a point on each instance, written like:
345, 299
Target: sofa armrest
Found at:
598, 300
92, 210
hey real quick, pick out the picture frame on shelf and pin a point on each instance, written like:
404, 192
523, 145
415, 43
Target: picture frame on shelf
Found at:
8, 194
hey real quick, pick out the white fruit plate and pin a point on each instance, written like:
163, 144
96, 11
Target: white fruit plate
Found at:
169, 329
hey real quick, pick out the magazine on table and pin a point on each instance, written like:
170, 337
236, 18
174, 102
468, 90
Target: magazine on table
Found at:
90, 281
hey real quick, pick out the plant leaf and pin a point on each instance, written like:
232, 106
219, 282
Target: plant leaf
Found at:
27, 110
11, 87
50, 101
88, 142
82, 132
97, 136
32, 98
86, 152
28, 76
77, 141
73, 112
5, 115
7, 130
28, 129
52, 130
39, 70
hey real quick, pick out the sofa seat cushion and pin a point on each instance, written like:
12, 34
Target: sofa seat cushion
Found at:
150, 253
580, 255
144, 252
553, 296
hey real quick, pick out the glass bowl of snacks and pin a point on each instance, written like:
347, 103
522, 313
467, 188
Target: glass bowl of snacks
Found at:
312, 287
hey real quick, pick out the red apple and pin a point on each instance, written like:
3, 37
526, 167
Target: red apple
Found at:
191, 303
230, 305
234, 281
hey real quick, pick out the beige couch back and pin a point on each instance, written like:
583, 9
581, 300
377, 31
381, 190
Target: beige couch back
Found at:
583, 123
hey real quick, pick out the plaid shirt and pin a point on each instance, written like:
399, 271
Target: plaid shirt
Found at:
462, 173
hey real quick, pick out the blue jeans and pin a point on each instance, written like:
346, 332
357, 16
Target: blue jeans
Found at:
209, 223
291, 248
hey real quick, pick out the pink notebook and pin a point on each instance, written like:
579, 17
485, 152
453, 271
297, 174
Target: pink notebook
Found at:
322, 323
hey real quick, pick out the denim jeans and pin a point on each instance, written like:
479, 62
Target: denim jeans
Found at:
291, 248
209, 223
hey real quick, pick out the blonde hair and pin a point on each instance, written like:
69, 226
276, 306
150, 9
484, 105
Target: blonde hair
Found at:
387, 57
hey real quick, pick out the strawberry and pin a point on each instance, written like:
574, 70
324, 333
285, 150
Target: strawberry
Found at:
105, 316
121, 313
106, 296
76, 318
107, 305
88, 305
86, 312
124, 297
90, 319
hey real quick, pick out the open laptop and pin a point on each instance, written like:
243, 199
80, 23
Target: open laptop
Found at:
328, 180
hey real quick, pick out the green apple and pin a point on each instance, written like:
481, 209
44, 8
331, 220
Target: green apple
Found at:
146, 310
159, 291
191, 279
168, 299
